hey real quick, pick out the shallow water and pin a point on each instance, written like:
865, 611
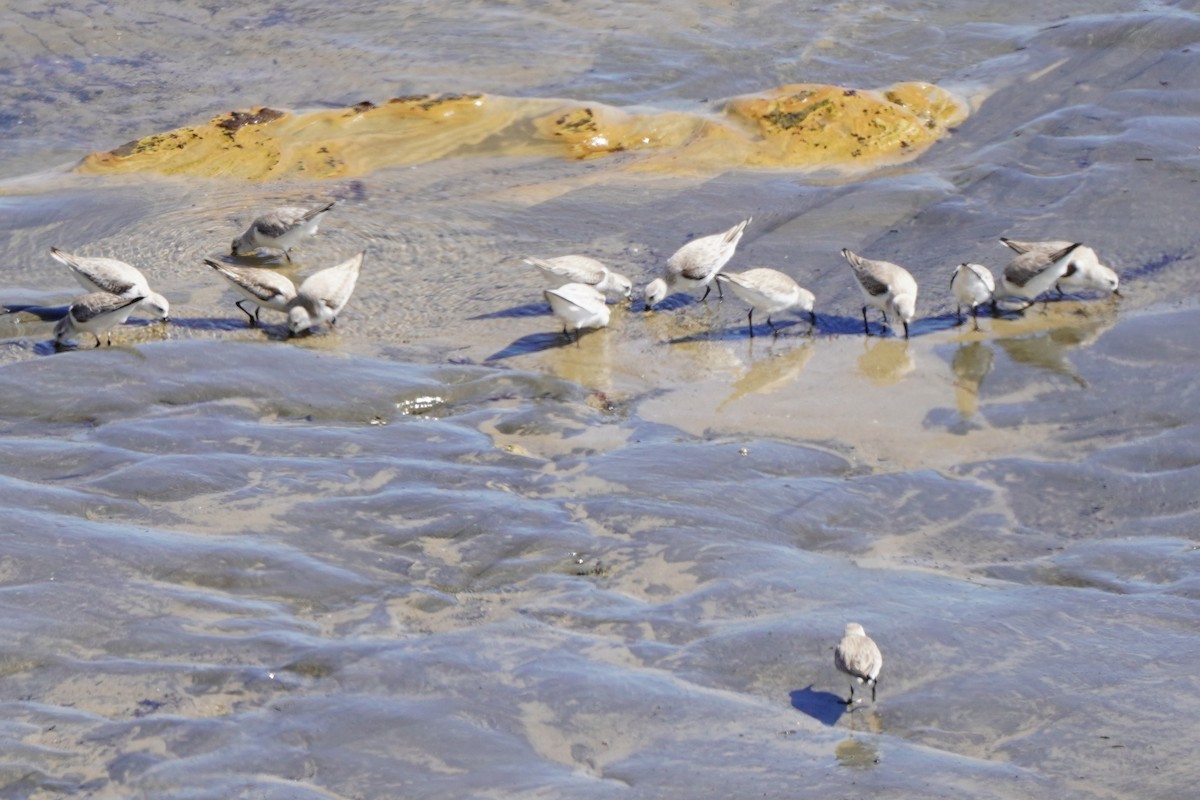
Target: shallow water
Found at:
442, 552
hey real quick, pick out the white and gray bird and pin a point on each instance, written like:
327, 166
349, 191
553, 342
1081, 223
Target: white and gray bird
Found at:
696, 264
266, 288
323, 295
887, 286
1035, 272
114, 277
858, 656
972, 285
281, 229
561, 270
770, 291
1084, 273
94, 313
578, 306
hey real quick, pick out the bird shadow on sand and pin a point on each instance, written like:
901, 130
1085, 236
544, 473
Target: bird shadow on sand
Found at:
825, 707
270, 330
527, 310
741, 332
43, 313
536, 342
677, 301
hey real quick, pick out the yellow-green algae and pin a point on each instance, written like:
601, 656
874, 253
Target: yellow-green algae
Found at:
802, 126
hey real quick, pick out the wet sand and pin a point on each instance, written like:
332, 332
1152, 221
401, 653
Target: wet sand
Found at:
443, 553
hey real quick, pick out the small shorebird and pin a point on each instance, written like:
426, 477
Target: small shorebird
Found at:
281, 229
769, 291
973, 285
696, 264
561, 270
1034, 272
578, 306
887, 286
94, 313
1083, 273
858, 656
114, 277
323, 295
266, 288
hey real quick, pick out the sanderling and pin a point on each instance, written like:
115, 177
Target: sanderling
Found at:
562, 270
973, 285
886, 286
281, 229
1033, 273
858, 656
696, 264
323, 295
94, 313
263, 287
1083, 273
769, 290
578, 306
115, 277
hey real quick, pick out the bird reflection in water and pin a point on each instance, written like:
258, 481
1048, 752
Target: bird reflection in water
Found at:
771, 369
885, 362
971, 364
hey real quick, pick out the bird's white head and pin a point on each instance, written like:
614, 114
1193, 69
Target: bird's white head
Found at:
905, 305
656, 290
805, 300
1107, 278
157, 305
299, 319
854, 629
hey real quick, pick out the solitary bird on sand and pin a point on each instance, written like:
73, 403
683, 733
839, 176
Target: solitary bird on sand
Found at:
858, 656
94, 313
973, 285
561, 270
115, 277
887, 286
696, 264
578, 306
281, 229
769, 291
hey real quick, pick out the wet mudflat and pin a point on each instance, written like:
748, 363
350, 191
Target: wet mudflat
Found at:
443, 552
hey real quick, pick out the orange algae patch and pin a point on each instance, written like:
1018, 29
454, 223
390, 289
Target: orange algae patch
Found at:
793, 127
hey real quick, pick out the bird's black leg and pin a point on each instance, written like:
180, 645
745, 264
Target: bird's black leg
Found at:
97, 337
288, 256
874, 683
905, 324
720, 291
772, 325
866, 332
253, 317
750, 319
707, 289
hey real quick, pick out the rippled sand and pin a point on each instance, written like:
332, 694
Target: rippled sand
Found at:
444, 553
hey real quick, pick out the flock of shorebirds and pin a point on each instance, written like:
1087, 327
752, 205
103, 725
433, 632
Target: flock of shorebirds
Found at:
116, 289
584, 285
581, 287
